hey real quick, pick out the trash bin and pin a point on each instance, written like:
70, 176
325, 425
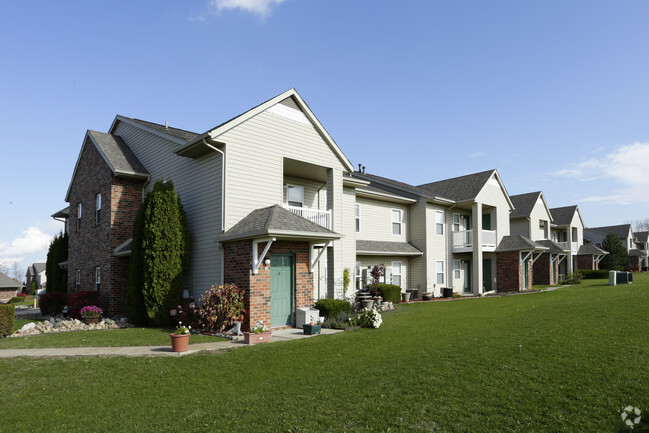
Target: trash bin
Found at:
630, 277
612, 278
447, 292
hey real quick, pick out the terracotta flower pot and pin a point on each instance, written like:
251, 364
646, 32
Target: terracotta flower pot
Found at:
252, 338
179, 342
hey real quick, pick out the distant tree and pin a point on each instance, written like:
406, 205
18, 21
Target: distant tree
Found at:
57, 278
641, 225
617, 258
159, 255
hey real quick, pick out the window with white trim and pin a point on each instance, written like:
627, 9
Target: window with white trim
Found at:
77, 280
358, 218
440, 271
79, 217
396, 273
97, 208
295, 195
97, 277
358, 274
396, 221
456, 222
456, 269
439, 222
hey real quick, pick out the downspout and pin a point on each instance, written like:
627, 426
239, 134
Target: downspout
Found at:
222, 205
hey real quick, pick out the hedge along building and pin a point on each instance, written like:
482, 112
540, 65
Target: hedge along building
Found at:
264, 195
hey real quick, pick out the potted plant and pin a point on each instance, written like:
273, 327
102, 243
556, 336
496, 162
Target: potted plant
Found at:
180, 338
259, 333
405, 297
91, 314
312, 328
427, 296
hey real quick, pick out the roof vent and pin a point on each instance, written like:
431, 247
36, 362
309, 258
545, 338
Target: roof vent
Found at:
166, 124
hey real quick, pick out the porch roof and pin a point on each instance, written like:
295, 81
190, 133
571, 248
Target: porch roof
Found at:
275, 221
519, 243
590, 250
553, 247
381, 248
636, 253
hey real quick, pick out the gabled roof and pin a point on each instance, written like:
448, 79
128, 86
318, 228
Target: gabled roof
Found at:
39, 267
381, 248
214, 133
464, 188
7, 282
118, 156
519, 243
552, 246
621, 231
275, 221
63, 213
379, 184
176, 135
641, 237
590, 250
524, 204
562, 216
636, 253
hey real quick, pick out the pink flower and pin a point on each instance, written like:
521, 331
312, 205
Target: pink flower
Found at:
192, 305
180, 307
173, 312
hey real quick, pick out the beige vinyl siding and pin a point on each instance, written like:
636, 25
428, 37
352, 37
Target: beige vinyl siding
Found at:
376, 221
576, 222
255, 152
198, 182
493, 195
312, 189
348, 242
418, 229
436, 248
539, 213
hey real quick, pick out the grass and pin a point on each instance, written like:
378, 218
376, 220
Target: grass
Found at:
565, 360
102, 338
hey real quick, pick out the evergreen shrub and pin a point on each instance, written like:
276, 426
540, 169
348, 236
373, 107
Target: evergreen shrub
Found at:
52, 303
7, 312
330, 308
594, 274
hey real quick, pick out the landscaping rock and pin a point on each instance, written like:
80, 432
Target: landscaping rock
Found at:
61, 324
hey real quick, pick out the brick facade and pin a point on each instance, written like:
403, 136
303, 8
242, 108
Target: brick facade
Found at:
238, 270
586, 262
93, 244
543, 272
510, 272
634, 263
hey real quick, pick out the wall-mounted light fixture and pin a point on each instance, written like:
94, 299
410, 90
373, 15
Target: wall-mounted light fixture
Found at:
266, 264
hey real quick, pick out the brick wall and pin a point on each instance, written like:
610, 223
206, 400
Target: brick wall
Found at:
543, 270
92, 246
585, 262
510, 272
634, 263
238, 270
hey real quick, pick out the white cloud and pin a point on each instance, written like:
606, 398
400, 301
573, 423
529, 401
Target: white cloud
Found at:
258, 7
31, 241
624, 172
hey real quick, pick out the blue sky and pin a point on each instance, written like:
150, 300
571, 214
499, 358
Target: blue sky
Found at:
553, 94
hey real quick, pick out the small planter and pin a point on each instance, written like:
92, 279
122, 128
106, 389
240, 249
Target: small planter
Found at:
427, 296
252, 338
367, 303
311, 329
90, 320
179, 342
405, 297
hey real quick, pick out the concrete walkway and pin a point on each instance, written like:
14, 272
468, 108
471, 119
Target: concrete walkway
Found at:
282, 335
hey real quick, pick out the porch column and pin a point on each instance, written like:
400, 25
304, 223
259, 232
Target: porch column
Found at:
569, 264
335, 204
476, 278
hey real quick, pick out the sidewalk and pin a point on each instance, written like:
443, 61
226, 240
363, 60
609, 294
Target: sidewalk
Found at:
282, 335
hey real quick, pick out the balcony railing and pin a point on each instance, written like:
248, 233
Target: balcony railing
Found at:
574, 246
463, 240
320, 217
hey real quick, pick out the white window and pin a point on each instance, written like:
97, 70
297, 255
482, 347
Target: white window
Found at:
97, 208
439, 222
78, 279
456, 269
440, 272
97, 277
358, 275
396, 222
396, 273
456, 222
295, 195
358, 218
79, 216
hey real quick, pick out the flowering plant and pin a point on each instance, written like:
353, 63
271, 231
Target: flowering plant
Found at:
370, 319
182, 329
631, 416
259, 328
91, 311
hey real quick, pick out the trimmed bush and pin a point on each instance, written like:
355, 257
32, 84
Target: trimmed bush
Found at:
572, 278
390, 292
57, 278
7, 312
341, 321
332, 307
77, 301
16, 299
52, 303
594, 274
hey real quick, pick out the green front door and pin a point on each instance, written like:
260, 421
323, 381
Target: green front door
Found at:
467, 276
486, 274
282, 289
525, 274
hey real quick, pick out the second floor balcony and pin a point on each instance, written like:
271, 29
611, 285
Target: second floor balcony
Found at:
572, 246
463, 241
320, 217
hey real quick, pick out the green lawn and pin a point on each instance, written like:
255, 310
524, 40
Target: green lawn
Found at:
107, 338
561, 361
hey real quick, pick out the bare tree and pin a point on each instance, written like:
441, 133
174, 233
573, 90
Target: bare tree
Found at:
17, 272
641, 225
